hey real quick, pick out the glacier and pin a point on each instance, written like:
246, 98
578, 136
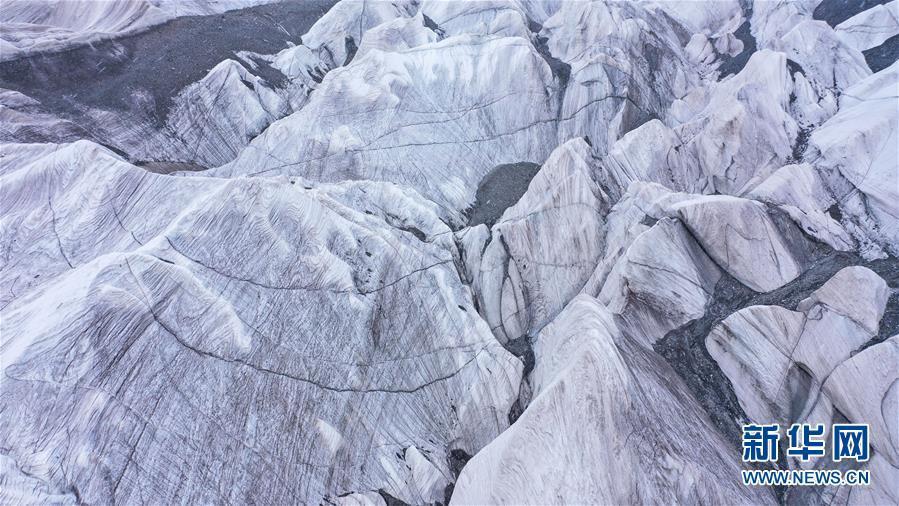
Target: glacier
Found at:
443, 251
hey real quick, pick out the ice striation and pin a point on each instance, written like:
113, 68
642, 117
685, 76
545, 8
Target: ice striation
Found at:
156, 308
421, 252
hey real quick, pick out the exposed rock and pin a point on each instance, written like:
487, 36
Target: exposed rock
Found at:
216, 117
23, 119
32, 27
884, 55
500, 189
140, 94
